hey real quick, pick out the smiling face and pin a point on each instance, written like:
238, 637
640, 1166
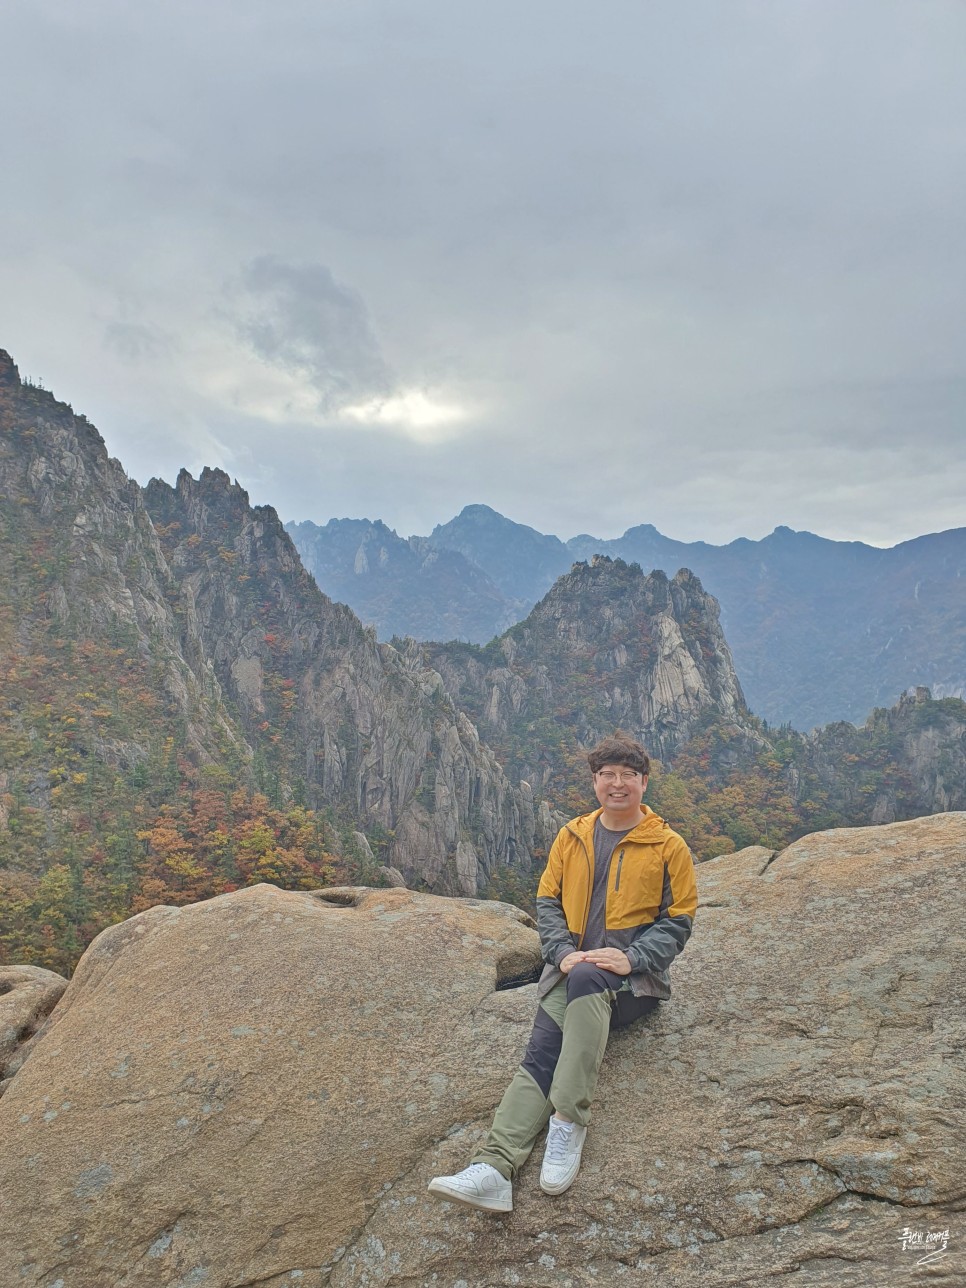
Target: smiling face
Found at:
620, 789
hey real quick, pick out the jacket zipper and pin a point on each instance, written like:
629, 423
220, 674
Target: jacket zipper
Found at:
590, 886
617, 881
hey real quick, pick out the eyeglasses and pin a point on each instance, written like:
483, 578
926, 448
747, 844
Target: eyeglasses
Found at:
625, 776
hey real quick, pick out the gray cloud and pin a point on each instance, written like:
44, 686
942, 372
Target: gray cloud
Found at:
137, 342
303, 319
702, 266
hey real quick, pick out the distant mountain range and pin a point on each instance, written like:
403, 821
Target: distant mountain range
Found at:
820, 630
184, 711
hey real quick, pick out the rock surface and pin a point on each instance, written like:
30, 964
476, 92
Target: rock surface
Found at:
81, 555
28, 994
795, 1106
257, 1089
229, 1088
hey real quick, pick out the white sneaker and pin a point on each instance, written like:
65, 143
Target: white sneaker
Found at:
479, 1186
561, 1158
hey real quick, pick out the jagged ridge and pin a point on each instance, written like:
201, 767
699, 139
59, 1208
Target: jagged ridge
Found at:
340, 717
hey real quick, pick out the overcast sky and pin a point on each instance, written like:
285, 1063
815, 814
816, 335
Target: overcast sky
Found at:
701, 265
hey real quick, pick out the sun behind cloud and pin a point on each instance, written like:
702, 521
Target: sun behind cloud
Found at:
421, 414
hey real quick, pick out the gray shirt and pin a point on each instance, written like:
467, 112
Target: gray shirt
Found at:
605, 843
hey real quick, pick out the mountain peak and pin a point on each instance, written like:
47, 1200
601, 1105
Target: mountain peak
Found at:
478, 510
9, 374
607, 646
213, 481
214, 488
516, 556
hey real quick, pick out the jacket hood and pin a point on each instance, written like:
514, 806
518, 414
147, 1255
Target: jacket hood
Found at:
651, 828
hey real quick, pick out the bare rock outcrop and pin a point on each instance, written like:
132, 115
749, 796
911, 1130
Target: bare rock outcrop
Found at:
256, 1090
794, 1108
926, 772
229, 1088
81, 552
606, 647
28, 994
169, 631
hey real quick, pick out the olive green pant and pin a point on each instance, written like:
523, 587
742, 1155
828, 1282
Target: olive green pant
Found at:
561, 1064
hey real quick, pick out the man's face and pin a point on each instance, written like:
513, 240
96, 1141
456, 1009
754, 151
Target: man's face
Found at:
619, 789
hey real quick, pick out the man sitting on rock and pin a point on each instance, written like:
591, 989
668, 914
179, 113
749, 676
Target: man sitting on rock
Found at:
614, 908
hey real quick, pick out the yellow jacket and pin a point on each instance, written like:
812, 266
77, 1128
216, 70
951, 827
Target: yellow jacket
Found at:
651, 899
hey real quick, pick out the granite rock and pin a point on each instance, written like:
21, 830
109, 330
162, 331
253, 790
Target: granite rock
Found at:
256, 1090
795, 1106
28, 994
227, 1089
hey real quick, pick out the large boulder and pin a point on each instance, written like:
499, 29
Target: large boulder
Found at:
28, 994
255, 1090
227, 1089
793, 1109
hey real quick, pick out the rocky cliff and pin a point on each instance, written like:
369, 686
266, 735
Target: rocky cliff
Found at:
144, 645
339, 717
827, 630
224, 1097
607, 647
85, 576
102, 714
